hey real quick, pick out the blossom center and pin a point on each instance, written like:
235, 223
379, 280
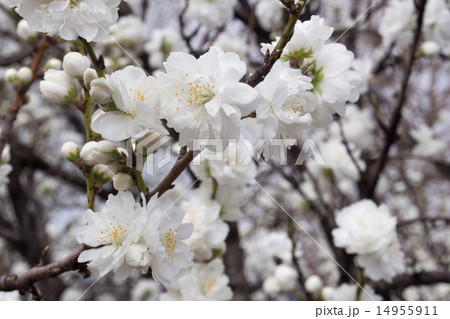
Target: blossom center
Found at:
116, 234
195, 92
170, 241
293, 108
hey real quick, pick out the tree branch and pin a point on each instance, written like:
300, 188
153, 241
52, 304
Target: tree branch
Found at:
396, 118
402, 282
19, 100
25, 282
294, 12
182, 162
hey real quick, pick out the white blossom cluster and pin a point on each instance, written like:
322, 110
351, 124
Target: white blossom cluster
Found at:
194, 94
369, 231
397, 26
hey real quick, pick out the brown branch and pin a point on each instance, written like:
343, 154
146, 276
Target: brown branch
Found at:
25, 282
166, 184
396, 118
301, 278
402, 282
347, 147
294, 12
19, 100
430, 219
234, 264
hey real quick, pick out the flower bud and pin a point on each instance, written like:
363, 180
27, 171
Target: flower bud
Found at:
138, 256
100, 91
271, 287
75, 64
10, 75
102, 173
55, 64
24, 32
89, 75
122, 181
313, 284
70, 151
24, 75
429, 48
327, 293
58, 87
286, 277
103, 152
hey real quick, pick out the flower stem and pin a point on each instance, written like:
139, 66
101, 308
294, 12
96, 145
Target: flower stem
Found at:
97, 63
360, 284
89, 175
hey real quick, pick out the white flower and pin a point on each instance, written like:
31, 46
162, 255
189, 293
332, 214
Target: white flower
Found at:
364, 68
206, 99
313, 284
232, 44
336, 158
89, 19
101, 92
346, 292
137, 99
122, 181
162, 43
124, 32
126, 235
202, 282
358, 126
120, 224
270, 14
261, 248
285, 108
334, 82
209, 230
286, 277
328, 66
364, 228
74, 64
397, 21
384, 264
212, 13
103, 152
58, 87
427, 145
231, 198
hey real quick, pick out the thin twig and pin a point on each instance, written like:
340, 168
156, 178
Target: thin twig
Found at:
396, 118
166, 184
